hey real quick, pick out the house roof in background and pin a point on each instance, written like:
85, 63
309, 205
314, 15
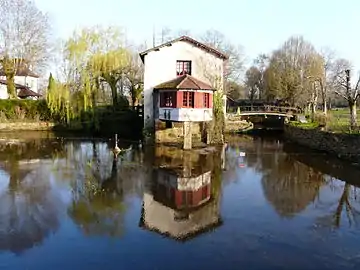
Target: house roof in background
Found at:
24, 91
190, 40
185, 82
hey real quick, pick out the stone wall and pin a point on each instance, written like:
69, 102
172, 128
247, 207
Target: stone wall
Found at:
175, 133
344, 146
8, 126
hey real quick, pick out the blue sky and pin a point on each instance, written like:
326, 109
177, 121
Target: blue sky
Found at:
258, 25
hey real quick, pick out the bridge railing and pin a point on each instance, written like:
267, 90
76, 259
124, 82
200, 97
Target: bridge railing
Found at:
265, 108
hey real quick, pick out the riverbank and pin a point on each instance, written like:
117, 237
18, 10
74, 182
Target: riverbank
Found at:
30, 126
342, 145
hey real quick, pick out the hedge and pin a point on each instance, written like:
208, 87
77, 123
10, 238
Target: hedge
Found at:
18, 109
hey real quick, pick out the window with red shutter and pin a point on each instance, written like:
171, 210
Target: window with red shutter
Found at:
188, 99
206, 100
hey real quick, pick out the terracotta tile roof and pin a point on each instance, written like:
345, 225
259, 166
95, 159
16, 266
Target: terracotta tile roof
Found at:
185, 82
24, 91
190, 40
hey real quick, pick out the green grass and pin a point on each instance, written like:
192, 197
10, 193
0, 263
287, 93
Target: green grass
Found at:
309, 125
337, 120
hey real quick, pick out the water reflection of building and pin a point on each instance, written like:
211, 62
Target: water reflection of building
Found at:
180, 201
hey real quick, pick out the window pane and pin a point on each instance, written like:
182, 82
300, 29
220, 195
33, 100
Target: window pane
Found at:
191, 100
185, 99
206, 100
183, 67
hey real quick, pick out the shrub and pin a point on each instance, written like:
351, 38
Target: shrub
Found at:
32, 110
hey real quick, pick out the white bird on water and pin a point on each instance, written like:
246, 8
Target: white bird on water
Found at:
116, 149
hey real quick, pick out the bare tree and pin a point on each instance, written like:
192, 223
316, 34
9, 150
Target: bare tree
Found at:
326, 82
24, 38
289, 70
234, 66
134, 78
345, 90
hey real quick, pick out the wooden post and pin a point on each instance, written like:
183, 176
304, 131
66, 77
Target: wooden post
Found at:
187, 136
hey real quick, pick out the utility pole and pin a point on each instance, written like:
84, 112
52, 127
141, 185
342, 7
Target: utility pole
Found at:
154, 35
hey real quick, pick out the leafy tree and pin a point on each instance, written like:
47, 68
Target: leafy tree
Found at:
253, 82
289, 70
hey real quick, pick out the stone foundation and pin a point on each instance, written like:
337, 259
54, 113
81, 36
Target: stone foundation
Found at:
173, 133
346, 146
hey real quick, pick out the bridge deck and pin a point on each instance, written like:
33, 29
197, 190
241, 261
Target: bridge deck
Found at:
266, 110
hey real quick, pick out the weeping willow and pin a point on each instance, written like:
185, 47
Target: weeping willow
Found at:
58, 100
93, 56
110, 67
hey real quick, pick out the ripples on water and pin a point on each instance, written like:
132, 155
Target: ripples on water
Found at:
67, 204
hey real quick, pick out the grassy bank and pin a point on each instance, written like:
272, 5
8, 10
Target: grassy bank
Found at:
336, 121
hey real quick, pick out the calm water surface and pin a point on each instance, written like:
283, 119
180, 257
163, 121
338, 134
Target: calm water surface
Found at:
66, 204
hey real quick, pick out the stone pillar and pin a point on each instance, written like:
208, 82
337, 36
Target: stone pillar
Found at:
187, 135
205, 134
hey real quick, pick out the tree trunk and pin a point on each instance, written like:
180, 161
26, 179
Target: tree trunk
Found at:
10, 85
324, 106
353, 119
114, 93
313, 111
133, 96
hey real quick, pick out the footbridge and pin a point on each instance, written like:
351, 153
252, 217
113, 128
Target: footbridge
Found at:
261, 117
266, 110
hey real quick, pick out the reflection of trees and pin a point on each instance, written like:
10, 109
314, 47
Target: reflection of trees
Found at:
100, 186
344, 207
29, 205
29, 209
290, 186
339, 200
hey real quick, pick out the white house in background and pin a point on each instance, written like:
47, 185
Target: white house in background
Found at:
26, 83
185, 72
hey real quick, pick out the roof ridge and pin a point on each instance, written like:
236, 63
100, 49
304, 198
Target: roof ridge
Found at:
182, 81
194, 81
200, 44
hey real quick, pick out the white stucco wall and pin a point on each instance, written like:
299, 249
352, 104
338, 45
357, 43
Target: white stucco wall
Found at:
186, 114
31, 82
184, 183
160, 66
161, 218
3, 91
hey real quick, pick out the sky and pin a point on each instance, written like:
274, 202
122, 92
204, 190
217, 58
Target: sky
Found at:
260, 26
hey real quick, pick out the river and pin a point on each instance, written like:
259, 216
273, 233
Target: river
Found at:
256, 203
